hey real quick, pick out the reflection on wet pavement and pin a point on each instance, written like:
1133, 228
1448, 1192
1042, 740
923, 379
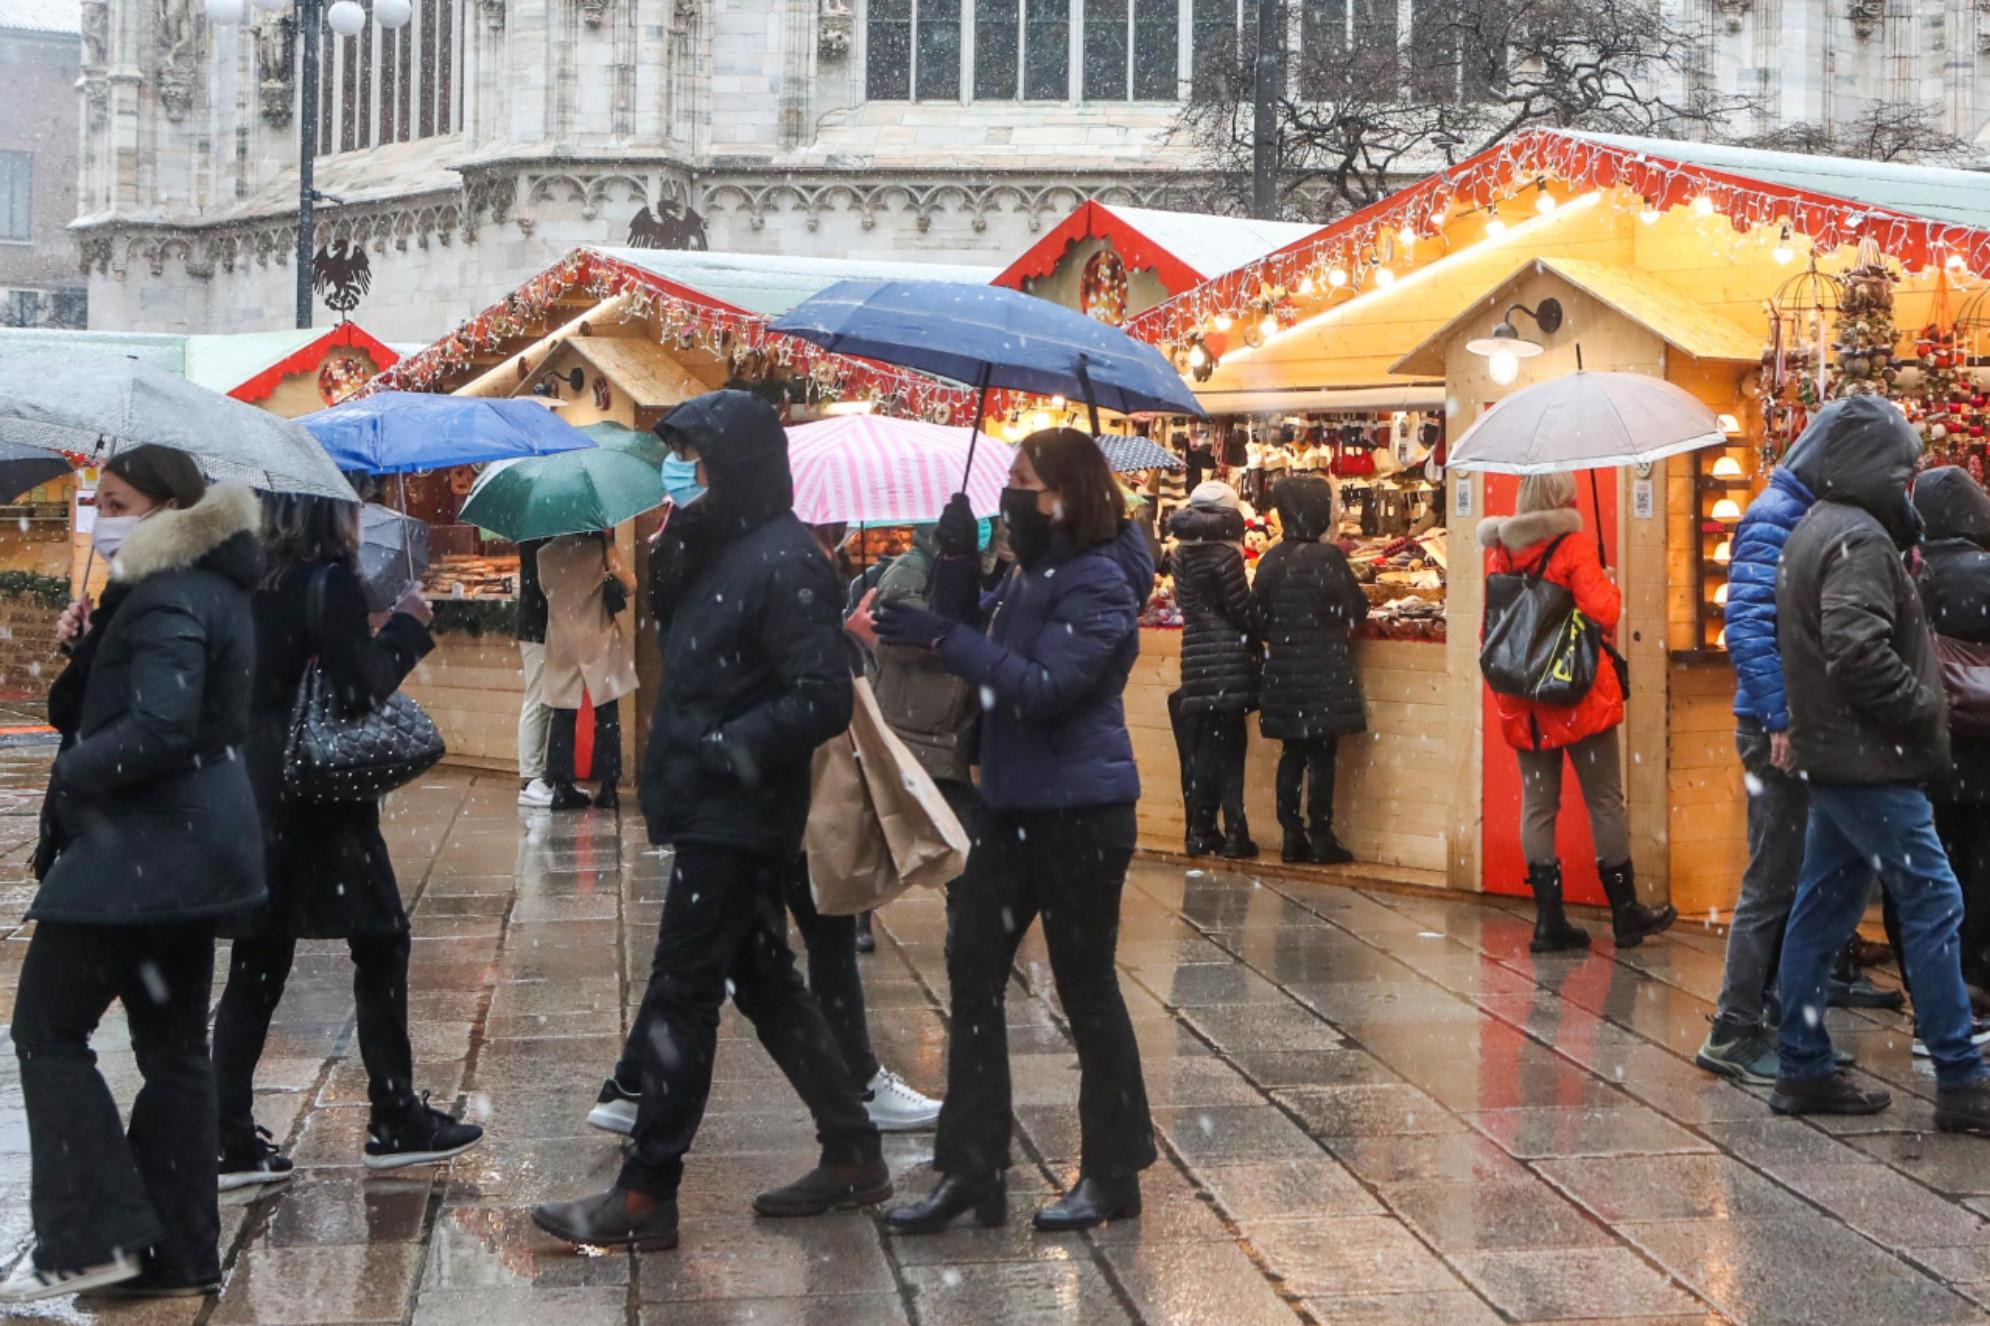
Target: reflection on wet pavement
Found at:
1377, 1108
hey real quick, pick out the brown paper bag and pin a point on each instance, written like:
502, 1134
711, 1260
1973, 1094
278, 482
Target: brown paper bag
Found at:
877, 823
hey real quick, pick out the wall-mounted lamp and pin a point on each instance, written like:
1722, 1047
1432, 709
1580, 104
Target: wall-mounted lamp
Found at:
1506, 347
1727, 467
1729, 424
1727, 511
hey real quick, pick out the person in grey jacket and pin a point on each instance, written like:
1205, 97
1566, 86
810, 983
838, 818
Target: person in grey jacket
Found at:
1868, 726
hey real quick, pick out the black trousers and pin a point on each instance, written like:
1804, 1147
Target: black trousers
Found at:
1216, 742
1070, 866
725, 920
1308, 763
1965, 831
258, 970
607, 744
98, 1187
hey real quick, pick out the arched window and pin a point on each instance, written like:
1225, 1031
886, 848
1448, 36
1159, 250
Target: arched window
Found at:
1008, 50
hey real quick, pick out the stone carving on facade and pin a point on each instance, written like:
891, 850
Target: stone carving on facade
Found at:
1732, 12
178, 39
96, 29
685, 12
493, 14
274, 64
834, 28
1865, 16
593, 12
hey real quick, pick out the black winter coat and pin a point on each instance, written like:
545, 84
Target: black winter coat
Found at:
750, 617
1219, 649
148, 816
1955, 593
330, 876
1865, 692
1305, 604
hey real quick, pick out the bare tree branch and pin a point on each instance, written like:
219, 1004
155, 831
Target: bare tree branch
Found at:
1883, 131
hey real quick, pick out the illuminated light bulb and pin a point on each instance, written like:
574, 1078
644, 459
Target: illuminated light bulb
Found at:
1545, 203
1337, 277
1724, 553
1503, 366
1720, 641
1703, 206
1729, 424
1306, 286
1039, 421
1224, 322
1408, 236
1198, 357
1720, 597
1269, 326
1495, 227
1953, 262
1727, 511
1783, 254
1727, 467
1056, 402
1384, 278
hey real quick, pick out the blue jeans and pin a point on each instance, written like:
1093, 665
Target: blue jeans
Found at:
1854, 832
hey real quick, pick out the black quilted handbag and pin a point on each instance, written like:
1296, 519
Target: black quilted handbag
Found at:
335, 754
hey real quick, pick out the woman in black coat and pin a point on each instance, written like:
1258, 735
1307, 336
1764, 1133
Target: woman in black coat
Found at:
147, 838
1219, 667
1306, 604
329, 873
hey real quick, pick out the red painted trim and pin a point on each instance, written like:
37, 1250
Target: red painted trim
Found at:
1094, 220
347, 335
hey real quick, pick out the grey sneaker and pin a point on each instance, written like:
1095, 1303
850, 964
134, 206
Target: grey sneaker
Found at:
1742, 1054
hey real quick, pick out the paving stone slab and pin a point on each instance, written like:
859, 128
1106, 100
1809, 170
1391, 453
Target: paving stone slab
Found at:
1573, 1282
310, 1286
1287, 1190
1701, 1187
1534, 1134
1348, 1255
1367, 1111
1193, 1284
831, 1255
1043, 1293
568, 1306
1491, 1217
1459, 1307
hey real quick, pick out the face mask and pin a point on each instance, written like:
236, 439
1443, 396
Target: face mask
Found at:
109, 534
1029, 528
680, 481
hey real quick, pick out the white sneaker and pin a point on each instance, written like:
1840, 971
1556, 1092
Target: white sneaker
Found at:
537, 793
28, 1283
1979, 1035
896, 1108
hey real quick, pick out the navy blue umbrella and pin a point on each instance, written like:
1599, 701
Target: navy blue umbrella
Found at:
395, 432
990, 336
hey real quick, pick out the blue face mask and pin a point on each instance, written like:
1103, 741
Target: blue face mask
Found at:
680, 481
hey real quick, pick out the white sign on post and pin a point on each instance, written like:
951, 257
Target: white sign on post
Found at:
1461, 500
1642, 499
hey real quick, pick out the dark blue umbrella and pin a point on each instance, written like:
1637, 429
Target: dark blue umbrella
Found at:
395, 432
990, 336
1127, 454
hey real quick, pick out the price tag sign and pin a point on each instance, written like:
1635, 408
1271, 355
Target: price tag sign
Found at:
1642, 499
1461, 500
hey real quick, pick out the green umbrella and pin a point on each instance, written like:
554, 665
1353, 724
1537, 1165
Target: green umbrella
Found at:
639, 442
574, 492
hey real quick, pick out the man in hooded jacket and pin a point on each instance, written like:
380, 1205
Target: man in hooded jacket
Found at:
1868, 725
754, 679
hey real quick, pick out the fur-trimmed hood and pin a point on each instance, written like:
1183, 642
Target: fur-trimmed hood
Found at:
222, 530
1524, 531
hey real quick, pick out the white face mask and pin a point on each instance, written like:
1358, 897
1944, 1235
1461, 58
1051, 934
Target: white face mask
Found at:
109, 534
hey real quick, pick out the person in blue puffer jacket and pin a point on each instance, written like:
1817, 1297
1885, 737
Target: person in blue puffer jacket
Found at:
1740, 1045
1049, 653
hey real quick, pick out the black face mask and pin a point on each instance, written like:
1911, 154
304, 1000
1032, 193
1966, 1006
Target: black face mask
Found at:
1029, 528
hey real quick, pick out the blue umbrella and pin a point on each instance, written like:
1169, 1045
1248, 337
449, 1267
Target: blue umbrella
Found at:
1126, 454
395, 432
992, 337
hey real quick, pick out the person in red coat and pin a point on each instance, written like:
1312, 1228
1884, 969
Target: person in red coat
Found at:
1546, 535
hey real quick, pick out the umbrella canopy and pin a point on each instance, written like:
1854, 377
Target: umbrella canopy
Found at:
393, 554
871, 469
641, 443
576, 492
22, 467
99, 407
396, 432
1586, 421
989, 336
1127, 454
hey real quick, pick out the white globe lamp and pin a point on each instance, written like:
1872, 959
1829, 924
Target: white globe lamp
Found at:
392, 14
346, 17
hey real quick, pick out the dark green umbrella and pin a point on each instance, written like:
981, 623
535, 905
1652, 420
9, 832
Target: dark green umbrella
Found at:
639, 442
574, 492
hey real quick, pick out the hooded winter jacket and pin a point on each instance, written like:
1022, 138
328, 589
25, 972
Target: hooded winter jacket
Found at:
1955, 593
149, 817
1049, 653
749, 613
1865, 692
1751, 578
1219, 651
1305, 603
1518, 543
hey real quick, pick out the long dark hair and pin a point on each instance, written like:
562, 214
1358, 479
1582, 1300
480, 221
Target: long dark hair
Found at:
302, 530
161, 473
1071, 462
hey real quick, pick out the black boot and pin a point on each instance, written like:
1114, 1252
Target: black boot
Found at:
1237, 844
987, 1195
1327, 849
1298, 847
1631, 921
1203, 836
1552, 931
1092, 1202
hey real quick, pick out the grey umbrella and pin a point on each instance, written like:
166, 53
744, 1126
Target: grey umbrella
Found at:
99, 407
393, 554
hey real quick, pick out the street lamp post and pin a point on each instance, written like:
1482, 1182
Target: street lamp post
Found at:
347, 18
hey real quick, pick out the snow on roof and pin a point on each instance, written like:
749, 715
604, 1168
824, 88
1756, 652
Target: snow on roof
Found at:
1212, 244
1940, 193
223, 363
42, 15
772, 283
167, 353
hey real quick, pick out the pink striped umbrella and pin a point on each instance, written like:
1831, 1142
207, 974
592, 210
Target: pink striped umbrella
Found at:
871, 469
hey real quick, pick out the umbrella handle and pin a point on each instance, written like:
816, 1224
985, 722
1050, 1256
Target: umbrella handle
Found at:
1596, 506
974, 435
1091, 396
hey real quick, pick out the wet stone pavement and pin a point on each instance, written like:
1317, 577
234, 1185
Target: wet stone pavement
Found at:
1377, 1108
